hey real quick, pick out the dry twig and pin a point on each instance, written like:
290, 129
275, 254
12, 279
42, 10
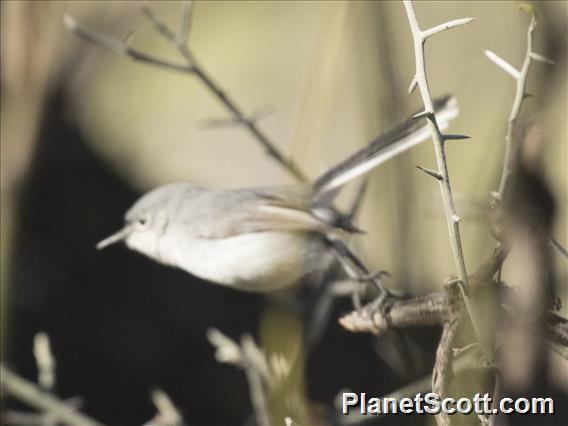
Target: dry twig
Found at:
168, 414
190, 66
250, 358
29, 393
520, 77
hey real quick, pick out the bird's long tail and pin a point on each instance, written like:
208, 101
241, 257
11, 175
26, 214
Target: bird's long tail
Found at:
385, 146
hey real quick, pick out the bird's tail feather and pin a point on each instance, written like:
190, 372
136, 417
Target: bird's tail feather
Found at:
385, 146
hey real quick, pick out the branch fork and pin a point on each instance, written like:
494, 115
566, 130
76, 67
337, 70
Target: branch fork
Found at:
452, 218
180, 40
520, 77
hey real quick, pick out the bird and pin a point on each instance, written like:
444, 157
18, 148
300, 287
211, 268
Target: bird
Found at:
266, 238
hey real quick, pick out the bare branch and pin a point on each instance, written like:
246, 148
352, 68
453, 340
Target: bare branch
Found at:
168, 414
452, 217
41, 419
257, 115
30, 394
443, 27
159, 26
422, 311
45, 361
520, 96
182, 36
503, 64
442, 373
191, 67
118, 46
228, 351
250, 358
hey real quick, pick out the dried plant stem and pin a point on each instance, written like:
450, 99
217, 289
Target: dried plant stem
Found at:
45, 361
180, 41
30, 394
167, 412
520, 77
420, 80
442, 372
251, 359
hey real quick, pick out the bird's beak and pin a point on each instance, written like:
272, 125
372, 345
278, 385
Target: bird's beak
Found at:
114, 238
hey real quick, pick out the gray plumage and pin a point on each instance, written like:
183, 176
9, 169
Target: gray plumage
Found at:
264, 238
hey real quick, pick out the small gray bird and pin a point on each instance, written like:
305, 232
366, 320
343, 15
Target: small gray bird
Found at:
259, 239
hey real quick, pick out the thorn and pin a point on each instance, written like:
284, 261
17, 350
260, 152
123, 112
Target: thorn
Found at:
422, 114
456, 218
443, 27
430, 172
540, 58
527, 95
503, 64
413, 84
452, 137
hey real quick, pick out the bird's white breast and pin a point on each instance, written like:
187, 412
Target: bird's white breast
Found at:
260, 261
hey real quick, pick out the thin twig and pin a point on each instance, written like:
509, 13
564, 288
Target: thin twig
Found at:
191, 66
182, 36
250, 358
30, 394
168, 414
559, 247
452, 217
45, 361
442, 372
118, 46
520, 77
21, 418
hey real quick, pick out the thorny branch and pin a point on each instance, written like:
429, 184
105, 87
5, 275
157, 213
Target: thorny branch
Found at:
437, 308
420, 80
190, 66
520, 77
521, 94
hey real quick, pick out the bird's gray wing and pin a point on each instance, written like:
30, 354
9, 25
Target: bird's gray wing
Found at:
226, 213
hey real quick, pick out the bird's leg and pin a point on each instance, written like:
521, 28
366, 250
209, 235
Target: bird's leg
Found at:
357, 271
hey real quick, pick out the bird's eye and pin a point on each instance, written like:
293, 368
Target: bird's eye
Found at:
143, 220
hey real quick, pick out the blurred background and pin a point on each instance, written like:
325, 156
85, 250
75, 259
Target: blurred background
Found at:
85, 132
